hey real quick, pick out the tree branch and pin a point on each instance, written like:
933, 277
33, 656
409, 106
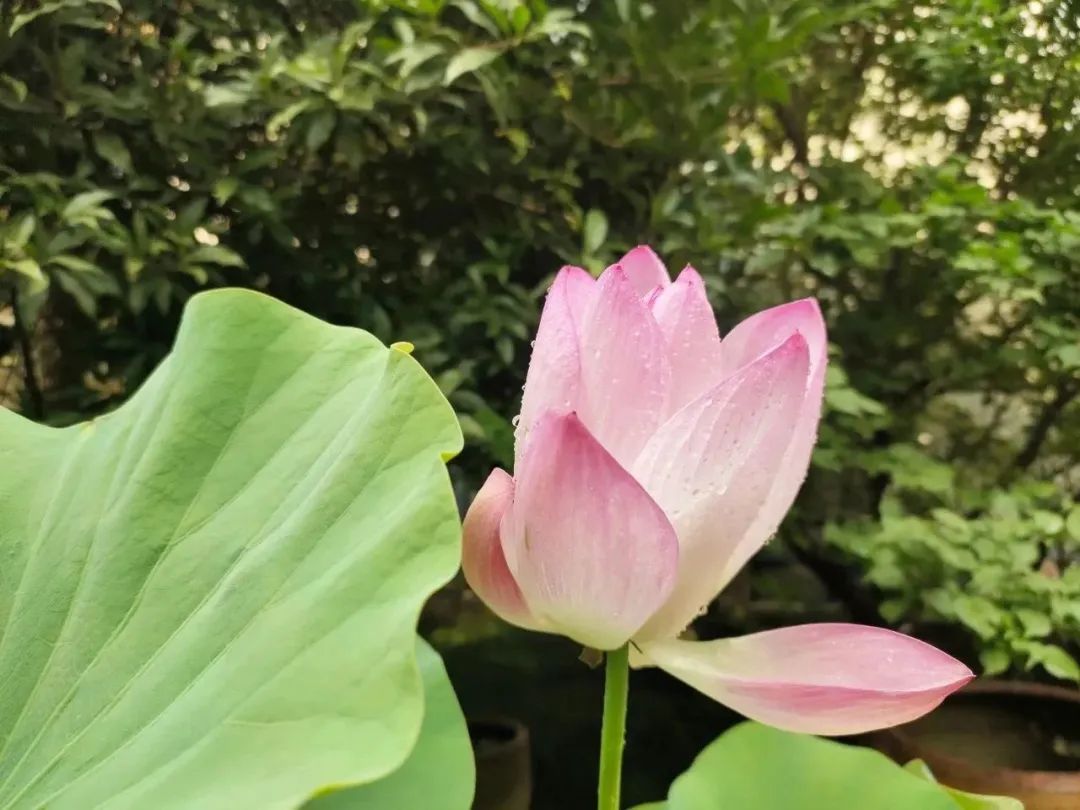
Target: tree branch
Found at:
30, 378
1040, 428
794, 131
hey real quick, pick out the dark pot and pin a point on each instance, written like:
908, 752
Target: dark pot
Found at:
503, 764
999, 738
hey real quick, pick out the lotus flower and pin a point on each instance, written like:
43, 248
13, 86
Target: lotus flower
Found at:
653, 459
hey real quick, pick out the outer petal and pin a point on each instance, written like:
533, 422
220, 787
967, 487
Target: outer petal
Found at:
767, 329
752, 338
686, 319
711, 467
593, 554
644, 270
482, 558
817, 678
554, 376
625, 371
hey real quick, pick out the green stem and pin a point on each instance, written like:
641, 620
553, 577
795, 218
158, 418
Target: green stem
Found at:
612, 735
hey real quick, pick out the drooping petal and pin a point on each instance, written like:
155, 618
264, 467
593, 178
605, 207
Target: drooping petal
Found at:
593, 554
711, 467
752, 338
644, 270
687, 322
554, 376
482, 559
817, 678
625, 370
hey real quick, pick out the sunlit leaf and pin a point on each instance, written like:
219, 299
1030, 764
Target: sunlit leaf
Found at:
594, 230
467, 61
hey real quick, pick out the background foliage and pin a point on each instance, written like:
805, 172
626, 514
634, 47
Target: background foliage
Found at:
422, 168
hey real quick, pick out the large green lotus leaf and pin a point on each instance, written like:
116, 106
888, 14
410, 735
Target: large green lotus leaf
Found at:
963, 799
754, 767
208, 598
439, 773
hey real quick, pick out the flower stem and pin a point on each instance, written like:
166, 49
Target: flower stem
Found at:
612, 735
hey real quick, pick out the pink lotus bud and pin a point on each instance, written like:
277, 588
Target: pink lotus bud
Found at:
653, 460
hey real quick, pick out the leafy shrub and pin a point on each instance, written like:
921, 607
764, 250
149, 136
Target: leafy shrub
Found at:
1000, 565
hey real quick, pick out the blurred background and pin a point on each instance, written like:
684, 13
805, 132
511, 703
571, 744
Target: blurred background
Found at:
421, 169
